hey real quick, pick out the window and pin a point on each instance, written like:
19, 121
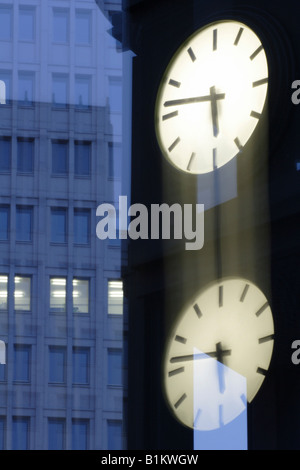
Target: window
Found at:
114, 435
81, 288
58, 225
115, 94
81, 360
26, 88
60, 150
81, 226
4, 222
82, 161
26, 24
5, 76
83, 26
24, 216
82, 92
115, 367
5, 23
60, 90
58, 294
2, 432
25, 155
115, 160
115, 297
56, 434
5, 154
2, 378
60, 25
80, 434
22, 354
20, 433
57, 364
22, 294
3, 291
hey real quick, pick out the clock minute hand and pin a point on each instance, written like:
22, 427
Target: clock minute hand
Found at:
195, 357
197, 99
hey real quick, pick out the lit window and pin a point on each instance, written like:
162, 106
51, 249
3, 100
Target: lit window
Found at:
25, 155
26, 88
60, 150
5, 23
60, 90
57, 364
80, 434
5, 76
20, 433
115, 297
82, 162
22, 354
81, 226
5, 154
24, 216
83, 25
22, 293
82, 92
58, 225
81, 360
58, 294
114, 435
4, 222
2, 432
81, 289
3, 291
56, 434
26, 24
115, 367
60, 25
115, 160
115, 94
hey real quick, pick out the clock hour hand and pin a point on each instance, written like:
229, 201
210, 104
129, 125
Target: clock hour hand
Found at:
195, 357
214, 111
197, 99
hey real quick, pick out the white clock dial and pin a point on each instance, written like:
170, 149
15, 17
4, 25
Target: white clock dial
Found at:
228, 330
211, 97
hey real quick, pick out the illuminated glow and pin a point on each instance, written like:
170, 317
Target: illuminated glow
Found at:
3, 279
58, 282
58, 294
220, 87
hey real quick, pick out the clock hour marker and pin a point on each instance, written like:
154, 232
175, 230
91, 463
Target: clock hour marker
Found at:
265, 339
221, 419
221, 296
198, 311
180, 339
191, 161
256, 52
176, 371
263, 81
262, 309
170, 115
246, 288
172, 146
255, 115
244, 399
215, 39
261, 371
180, 401
174, 83
238, 144
197, 418
191, 54
215, 166
237, 39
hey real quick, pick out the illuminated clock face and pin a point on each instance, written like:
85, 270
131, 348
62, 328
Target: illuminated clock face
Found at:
211, 97
223, 340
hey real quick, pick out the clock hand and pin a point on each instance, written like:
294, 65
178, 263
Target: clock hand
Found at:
197, 99
194, 357
220, 355
214, 110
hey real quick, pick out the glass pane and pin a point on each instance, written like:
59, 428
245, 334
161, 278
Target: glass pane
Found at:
60, 25
60, 157
82, 92
115, 367
58, 225
115, 94
21, 363
26, 24
60, 91
56, 434
20, 433
5, 76
58, 294
5, 23
24, 224
25, 155
81, 365
115, 160
80, 429
3, 292
4, 222
83, 27
81, 226
57, 364
2, 432
114, 435
5, 153
81, 289
22, 293
115, 297
26, 88
82, 158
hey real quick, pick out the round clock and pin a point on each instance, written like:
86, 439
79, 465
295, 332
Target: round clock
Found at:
219, 354
212, 97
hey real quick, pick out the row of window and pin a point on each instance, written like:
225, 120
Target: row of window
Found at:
80, 293
60, 157
61, 90
60, 25
80, 434
81, 365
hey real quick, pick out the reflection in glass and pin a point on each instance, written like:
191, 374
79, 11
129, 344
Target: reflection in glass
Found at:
82, 27
26, 88
80, 434
22, 294
5, 154
5, 23
60, 87
26, 24
5, 76
58, 225
82, 91
114, 367
115, 297
82, 226
57, 364
58, 294
81, 359
20, 433
56, 434
4, 222
60, 150
2, 432
22, 355
24, 215
81, 289
3, 292
82, 163
60, 25
114, 435
25, 155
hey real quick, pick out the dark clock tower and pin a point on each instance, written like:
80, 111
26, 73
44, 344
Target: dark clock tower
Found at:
251, 219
